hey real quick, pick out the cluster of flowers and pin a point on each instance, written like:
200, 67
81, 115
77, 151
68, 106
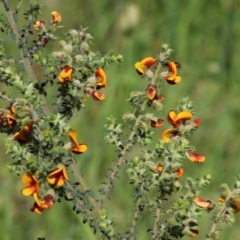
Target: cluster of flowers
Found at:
56, 177
100, 81
67, 72
177, 120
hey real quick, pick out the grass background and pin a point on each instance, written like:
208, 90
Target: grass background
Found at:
205, 36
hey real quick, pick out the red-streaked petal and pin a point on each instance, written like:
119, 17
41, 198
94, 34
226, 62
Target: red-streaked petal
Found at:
168, 134
143, 65
97, 96
28, 179
37, 209
195, 157
151, 92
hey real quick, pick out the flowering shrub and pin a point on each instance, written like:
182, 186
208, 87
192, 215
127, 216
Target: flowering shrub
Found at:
36, 136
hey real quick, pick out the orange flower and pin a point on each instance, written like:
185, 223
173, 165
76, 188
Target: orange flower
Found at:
168, 134
195, 157
174, 119
156, 124
38, 24
24, 135
97, 95
32, 185
151, 91
39, 206
78, 148
180, 172
11, 120
101, 78
173, 78
144, 65
207, 204
66, 74
58, 176
56, 17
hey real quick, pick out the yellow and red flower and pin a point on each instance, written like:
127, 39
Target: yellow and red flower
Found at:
175, 119
32, 185
77, 148
58, 176
97, 95
40, 205
173, 78
38, 24
156, 124
56, 17
25, 134
144, 65
207, 204
151, 91
101, 78
66, 74
195, 157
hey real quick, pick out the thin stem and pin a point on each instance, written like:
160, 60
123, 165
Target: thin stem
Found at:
19, 4
155, 228
26, 62
137, 211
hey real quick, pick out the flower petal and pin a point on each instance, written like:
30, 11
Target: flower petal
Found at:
28, 191
56, 17
180, 172
100, 74
97, 96
171, 118
143, 65
201, 202
183, 116
66, 74
80, 148
73, 137
168, 134
195, 157
151, 91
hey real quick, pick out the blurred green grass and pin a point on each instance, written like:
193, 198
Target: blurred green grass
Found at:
205, 36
